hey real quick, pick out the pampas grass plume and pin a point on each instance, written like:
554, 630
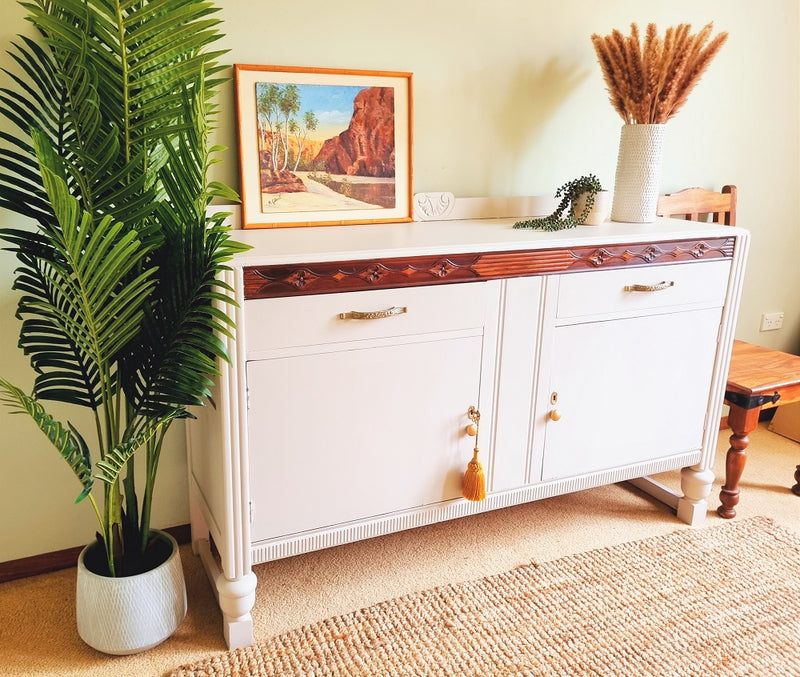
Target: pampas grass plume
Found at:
648, 83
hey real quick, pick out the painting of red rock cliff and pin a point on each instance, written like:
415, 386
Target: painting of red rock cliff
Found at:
323, 147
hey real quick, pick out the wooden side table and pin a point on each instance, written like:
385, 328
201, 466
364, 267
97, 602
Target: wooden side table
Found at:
759, 378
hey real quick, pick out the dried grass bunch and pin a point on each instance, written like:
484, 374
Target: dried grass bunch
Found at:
649, 83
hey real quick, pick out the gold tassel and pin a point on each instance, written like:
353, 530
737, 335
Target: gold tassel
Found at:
474, 487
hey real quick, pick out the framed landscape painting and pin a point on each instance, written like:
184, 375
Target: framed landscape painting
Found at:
319, 146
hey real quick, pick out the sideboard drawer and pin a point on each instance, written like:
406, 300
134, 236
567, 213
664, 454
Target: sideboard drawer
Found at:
642, 289
313, 320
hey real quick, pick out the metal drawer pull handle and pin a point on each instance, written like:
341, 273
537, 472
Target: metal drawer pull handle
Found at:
650, 287
373, 314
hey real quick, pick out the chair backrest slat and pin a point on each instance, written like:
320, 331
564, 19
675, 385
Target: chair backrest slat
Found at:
692, 203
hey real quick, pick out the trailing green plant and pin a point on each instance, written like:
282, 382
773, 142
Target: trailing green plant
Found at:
119, 279
569, 193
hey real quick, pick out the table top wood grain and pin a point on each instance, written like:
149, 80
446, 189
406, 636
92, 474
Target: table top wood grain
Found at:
756, 370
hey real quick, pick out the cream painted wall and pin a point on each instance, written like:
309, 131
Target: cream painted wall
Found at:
508, 100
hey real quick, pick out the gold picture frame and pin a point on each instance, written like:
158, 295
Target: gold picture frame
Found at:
320, 146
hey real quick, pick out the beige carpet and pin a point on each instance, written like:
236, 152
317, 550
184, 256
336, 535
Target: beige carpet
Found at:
719, 601
37, 617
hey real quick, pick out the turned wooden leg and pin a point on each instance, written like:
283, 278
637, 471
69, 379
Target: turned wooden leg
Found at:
796, 487
742, 423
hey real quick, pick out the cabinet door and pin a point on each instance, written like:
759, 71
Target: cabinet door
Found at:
344, 434
629, 390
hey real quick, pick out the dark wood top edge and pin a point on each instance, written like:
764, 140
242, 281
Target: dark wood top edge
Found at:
764, 387
327, 277
756, 370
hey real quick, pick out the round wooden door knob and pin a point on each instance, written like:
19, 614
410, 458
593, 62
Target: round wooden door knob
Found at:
555, 415
472, 430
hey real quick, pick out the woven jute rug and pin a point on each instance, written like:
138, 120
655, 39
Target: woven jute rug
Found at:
723, 600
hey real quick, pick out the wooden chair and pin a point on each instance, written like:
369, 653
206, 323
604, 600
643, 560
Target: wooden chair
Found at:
758, 377
694, 203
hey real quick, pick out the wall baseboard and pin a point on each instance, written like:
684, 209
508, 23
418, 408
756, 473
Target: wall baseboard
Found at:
64, 559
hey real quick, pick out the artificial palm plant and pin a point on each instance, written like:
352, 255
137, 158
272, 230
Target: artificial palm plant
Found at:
118, 279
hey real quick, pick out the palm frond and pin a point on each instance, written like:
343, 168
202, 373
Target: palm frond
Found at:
120, 283
117, 458
66, 440
38, 103
80, 303
64, 372
176, 357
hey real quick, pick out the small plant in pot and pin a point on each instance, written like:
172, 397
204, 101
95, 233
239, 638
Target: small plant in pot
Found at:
578, 198
118, 278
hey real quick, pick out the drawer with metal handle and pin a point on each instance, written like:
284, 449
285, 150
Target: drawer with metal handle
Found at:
701, 284
363, 315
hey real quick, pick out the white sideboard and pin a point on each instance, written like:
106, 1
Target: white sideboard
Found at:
594, 355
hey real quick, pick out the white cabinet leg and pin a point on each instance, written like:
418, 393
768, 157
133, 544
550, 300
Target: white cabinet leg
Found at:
235, 597
236, 600
238, 631
696, 486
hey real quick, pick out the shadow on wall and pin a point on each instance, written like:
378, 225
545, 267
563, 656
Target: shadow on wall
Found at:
539, 91
509, 114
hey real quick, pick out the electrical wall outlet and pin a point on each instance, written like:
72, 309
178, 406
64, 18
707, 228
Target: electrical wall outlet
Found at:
771, 321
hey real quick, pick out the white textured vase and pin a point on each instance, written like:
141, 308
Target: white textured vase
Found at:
636, 188
131, 614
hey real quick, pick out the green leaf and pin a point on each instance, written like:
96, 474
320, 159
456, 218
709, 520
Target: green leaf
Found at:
80, 299
117, 458
67, 441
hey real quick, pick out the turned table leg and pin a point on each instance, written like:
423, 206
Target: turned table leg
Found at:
796, 487
742, 423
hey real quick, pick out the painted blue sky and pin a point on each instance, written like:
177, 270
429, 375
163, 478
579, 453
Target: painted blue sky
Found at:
333, 106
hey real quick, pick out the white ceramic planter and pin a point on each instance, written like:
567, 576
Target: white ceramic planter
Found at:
600, 210
131, 614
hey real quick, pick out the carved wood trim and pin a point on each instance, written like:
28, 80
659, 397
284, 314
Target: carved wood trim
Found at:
301, 279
